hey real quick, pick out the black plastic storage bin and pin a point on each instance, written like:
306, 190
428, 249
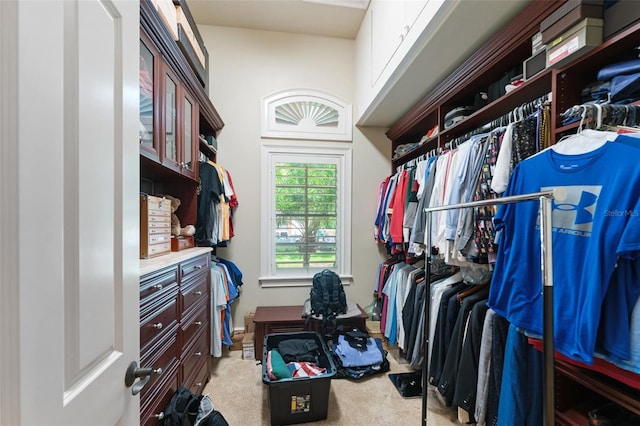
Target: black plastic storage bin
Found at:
303, 399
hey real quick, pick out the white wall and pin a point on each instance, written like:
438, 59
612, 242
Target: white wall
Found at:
441, 37
246, 65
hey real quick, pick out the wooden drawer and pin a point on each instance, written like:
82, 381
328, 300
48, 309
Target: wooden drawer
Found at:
157, 398
284, 328
159, 216
200, 379
162, 238
194, 266
159, 249
194, 292
158, 285
159, 227
191, 325
162, 319
161, 357
193, 357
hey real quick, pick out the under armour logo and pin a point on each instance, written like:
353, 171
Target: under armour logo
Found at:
574, 211
583, 215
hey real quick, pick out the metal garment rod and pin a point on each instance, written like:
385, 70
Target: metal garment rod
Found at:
546, 264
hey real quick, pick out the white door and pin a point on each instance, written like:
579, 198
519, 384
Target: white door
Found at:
69, 170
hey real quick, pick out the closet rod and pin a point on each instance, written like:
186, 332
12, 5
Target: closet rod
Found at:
546, 264
532, 196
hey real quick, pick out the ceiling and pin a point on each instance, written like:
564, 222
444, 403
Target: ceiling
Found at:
463, 26
329, 18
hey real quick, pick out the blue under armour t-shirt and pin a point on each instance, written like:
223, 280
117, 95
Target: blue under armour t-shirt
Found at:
597, 220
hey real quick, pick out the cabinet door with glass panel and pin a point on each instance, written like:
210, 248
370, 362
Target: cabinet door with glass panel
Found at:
148, 125
179, 130
188, 114
170, 152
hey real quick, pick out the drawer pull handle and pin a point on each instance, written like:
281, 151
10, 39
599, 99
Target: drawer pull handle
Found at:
198, 293
158, 286
198, 354
157, 326
197, 267
158, 371
199, 384
159, 416
198, 322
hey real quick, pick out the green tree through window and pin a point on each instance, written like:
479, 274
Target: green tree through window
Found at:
306, 215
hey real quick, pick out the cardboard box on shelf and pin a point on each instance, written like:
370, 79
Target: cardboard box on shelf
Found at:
249, 325
236, 339
575, 42
619, 15
248, 346
570, 19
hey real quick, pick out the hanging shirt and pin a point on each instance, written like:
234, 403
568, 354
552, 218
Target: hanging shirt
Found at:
502, 168
397, 208
212, 190
596, 218
417, 236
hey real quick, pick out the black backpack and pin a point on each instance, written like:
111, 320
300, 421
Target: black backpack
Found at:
327, 297
189, 409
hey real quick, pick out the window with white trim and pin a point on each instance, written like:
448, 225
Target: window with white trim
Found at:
306, 202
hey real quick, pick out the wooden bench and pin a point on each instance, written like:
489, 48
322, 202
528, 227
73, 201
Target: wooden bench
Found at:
288, 319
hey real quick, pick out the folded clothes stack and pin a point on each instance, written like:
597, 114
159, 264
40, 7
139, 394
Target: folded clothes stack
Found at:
616, 83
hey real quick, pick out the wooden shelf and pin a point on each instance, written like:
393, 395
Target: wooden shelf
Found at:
207, 149
602, 385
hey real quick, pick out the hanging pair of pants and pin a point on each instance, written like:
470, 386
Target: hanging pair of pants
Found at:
521, 390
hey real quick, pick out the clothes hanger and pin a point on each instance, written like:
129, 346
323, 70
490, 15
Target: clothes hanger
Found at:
582, 117
598, 116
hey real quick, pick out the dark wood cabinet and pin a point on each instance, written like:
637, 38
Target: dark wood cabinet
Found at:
179, 126
288, 319
174, 329
175, 111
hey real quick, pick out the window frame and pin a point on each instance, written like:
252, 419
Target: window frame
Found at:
304, 152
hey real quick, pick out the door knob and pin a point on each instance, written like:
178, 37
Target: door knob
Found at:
133, 373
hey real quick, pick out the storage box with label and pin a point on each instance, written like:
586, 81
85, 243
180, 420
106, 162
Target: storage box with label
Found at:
182, 243
299, 399
571, 18
619, 15
535, 64
248, 346
577, 41
155, 226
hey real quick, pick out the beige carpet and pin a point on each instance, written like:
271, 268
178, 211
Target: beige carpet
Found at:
237, 391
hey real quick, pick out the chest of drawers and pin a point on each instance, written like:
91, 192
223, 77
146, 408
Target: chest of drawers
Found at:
174, 328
